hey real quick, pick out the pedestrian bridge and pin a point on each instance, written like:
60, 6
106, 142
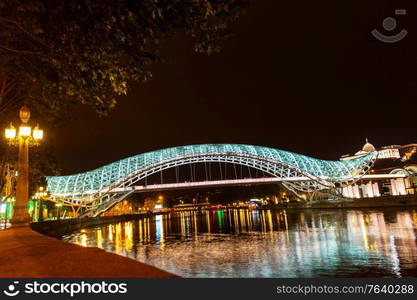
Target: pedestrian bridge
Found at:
101, 188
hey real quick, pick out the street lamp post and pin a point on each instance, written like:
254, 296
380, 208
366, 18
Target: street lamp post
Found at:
24, 138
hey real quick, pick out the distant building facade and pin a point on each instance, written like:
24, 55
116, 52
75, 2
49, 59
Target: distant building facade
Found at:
394, 172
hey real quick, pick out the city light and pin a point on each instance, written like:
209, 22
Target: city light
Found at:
10, 132
37, 133
25, 131
40, 194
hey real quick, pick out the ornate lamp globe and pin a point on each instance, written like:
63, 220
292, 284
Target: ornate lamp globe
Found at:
24, 114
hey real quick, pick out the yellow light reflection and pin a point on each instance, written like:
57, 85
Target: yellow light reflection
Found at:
118, 239
286, 225
140, 231
128, 236
110, 232
99, 238
83, 240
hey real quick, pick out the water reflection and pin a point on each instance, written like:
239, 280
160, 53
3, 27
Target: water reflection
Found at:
250, 243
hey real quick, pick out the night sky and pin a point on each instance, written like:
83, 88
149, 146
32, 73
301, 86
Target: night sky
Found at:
304, 76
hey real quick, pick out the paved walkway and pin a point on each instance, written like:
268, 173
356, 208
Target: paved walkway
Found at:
26, 253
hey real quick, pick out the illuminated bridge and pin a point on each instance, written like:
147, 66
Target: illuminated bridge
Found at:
99, 189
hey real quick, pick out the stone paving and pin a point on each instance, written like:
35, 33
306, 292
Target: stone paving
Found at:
26, 253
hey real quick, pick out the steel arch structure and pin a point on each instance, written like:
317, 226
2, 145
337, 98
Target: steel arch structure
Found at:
94, 189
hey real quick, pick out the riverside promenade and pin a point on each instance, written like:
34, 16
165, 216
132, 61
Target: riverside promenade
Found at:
27, 253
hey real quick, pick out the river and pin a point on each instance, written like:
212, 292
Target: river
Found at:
263, 243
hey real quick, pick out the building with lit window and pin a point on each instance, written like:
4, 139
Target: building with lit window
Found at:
393, 174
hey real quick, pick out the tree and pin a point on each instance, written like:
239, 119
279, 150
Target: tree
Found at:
55, 53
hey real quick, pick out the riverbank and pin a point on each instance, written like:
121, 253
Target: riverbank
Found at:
386, 201
338, 203
25, 253
58, 228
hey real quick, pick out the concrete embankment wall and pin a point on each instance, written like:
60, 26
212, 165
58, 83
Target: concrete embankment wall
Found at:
58, 228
